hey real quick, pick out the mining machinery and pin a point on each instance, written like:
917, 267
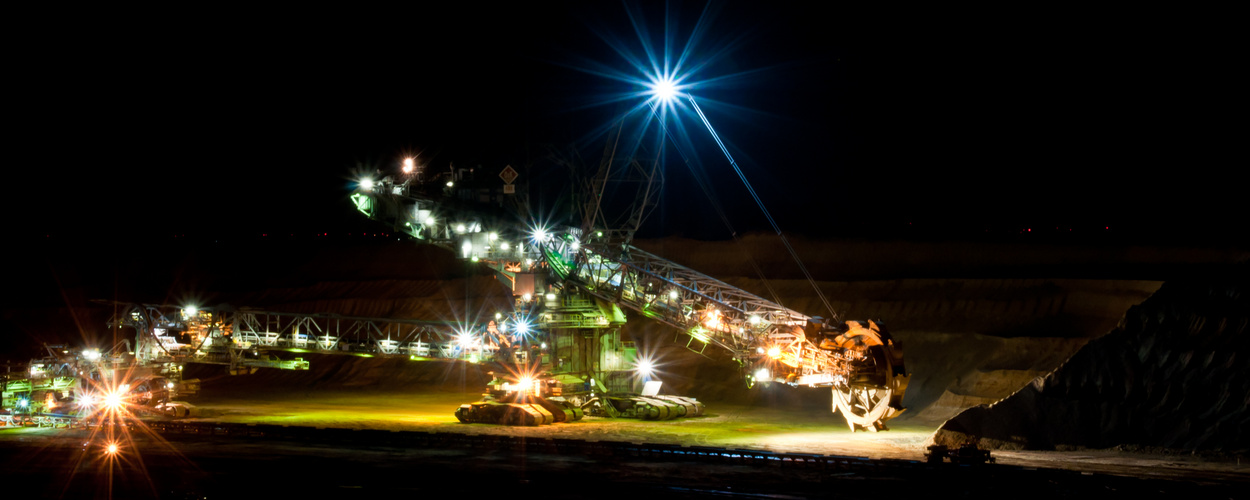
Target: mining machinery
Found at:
574, 284
146, 375
65, 385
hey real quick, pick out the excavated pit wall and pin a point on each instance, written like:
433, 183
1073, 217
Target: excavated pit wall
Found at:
1172, 375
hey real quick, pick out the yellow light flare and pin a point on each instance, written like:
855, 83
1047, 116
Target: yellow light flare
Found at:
113, 400
789, 359
712, 320
525, 386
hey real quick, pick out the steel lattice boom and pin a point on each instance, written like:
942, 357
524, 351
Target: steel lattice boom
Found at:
859, 360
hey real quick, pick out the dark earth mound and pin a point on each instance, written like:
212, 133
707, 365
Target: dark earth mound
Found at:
1172, 375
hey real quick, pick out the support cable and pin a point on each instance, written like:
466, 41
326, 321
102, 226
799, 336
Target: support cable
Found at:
703, 184
784, 240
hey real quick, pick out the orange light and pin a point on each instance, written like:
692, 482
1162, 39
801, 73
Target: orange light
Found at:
113, 400
711, 319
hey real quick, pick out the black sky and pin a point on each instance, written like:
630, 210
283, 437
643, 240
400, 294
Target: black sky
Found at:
205, 121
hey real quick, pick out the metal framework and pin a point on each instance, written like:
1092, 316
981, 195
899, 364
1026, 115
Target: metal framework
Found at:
710, 311
242, 338
858, 360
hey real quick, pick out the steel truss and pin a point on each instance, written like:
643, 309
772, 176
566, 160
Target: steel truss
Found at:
167, 334
710, 311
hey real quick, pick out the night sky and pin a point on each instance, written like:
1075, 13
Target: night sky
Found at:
846, 122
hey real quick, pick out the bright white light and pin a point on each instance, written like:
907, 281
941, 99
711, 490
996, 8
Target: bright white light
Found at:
576, 245
755, 320
408, 165
192, 311
112, 448
774, 352
459, 228
366, 184
22, 403
540, 235
91, 354
467, 248
527, 297
664, 89
169, 385
522, 327
672, 294
504, 246
429, 221
551, 296
762, 374
493, 236
644, 367
450, 184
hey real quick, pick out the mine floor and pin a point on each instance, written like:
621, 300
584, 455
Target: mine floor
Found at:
201, 463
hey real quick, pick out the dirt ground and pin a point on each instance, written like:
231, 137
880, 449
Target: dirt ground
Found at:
814, 431
67, 463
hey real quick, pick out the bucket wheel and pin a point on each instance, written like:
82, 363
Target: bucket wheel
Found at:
872, 392
863, 407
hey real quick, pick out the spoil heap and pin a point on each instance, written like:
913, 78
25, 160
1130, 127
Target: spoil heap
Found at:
1173, 375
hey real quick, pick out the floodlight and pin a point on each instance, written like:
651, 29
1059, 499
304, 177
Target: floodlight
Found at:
540, 235
664, 89
644, 367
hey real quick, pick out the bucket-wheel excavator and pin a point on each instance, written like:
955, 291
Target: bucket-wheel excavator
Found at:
573, 283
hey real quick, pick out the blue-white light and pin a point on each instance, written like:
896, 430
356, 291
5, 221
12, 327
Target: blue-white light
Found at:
541, 235
664, 89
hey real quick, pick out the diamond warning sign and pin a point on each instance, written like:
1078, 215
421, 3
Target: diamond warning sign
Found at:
508, 175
